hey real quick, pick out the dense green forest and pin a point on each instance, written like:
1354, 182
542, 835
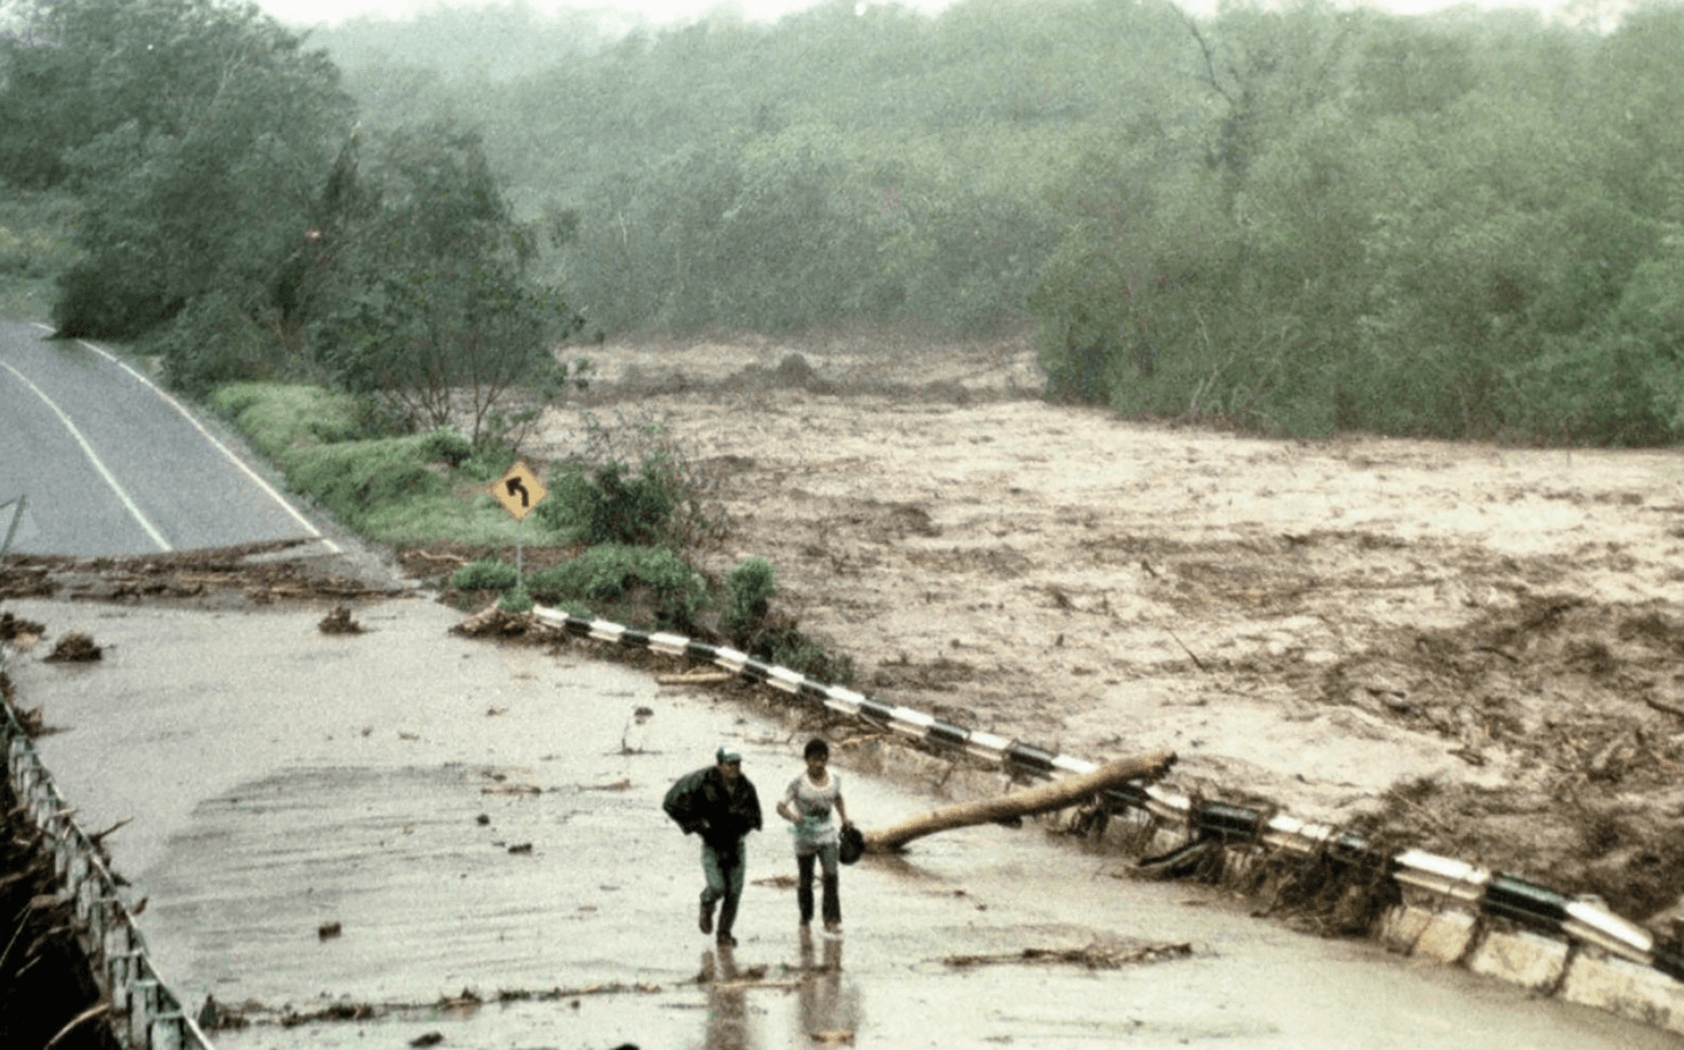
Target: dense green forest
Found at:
1289, 217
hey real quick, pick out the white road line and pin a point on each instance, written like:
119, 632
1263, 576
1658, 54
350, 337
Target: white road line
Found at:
88, 449
224, 449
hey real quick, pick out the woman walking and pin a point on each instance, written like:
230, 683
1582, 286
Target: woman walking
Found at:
813, 803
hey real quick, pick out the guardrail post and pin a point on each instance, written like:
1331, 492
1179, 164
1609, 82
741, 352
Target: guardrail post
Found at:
64, 849
168, 1031
102, 919
124, 967
143, 1008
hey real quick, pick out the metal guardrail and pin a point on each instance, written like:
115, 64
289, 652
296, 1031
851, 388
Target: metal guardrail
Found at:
1578, 919
146, 1015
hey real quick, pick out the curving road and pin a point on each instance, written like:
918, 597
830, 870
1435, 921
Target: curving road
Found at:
110, 464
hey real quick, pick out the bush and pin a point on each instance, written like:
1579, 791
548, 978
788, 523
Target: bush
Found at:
94, 304
611, 506
447, 446
611, 573
211, 343
669, 502
487, 574
748, 589
517, 600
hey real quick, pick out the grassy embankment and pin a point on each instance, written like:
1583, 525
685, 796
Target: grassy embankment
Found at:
612, 539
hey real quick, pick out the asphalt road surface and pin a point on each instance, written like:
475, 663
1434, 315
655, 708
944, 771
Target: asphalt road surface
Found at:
109, 464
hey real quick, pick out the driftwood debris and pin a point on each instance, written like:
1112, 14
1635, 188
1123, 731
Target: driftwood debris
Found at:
1093, 956
1006, 808
695, 678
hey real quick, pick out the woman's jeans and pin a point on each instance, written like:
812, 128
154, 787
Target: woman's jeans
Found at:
826, 855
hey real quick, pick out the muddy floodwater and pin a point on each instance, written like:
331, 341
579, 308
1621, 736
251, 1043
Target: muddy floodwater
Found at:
398, 834
1467, 647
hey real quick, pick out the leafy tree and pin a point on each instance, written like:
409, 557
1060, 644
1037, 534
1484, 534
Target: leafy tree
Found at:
422, 298
1406, 69
206, 128
1636, 105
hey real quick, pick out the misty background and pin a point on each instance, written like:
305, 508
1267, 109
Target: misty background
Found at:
1293, 218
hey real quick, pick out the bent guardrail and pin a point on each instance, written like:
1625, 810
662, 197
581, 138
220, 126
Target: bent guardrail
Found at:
146, 1014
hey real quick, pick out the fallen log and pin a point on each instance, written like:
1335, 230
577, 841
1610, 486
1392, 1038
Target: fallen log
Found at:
1006, 808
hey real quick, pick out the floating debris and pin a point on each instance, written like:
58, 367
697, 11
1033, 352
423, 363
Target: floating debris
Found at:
21, 633
1093, 956
75, 647
511, 789
623, 784
339, 622
695, 678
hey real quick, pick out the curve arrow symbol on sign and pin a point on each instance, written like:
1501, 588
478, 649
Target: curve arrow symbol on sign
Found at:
519, 490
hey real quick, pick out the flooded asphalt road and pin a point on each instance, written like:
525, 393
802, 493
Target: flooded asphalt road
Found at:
486, 820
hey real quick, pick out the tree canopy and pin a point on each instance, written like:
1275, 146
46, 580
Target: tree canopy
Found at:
234, 218
1288, 216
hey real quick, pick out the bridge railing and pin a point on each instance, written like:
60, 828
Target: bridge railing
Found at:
145, 1014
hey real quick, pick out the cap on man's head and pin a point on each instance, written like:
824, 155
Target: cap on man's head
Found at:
726, 754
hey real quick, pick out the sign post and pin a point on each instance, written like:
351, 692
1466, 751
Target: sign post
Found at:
519, 490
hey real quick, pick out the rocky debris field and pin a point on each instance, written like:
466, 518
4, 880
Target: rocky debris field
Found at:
254, 574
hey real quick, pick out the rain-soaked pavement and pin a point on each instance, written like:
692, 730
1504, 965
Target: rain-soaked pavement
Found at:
483, 825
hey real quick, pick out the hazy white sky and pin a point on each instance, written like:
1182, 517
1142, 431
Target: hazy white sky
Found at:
308, 12
318, 12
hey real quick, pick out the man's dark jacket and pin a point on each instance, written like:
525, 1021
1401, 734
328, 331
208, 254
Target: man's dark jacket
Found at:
700, 802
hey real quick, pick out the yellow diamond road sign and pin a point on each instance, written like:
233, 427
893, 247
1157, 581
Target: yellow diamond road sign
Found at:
519, 490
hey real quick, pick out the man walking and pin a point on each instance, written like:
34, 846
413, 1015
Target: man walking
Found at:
720, 804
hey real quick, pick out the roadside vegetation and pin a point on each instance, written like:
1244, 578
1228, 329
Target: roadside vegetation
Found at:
35, 247
615, 538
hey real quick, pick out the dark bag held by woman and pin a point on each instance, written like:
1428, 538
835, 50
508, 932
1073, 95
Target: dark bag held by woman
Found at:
853, 844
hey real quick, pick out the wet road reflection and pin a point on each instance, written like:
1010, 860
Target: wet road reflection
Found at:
829, 1010
827, 1005
728, 1024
